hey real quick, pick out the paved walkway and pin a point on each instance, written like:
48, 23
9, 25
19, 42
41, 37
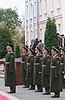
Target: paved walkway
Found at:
1, 69
6, 96
25, 94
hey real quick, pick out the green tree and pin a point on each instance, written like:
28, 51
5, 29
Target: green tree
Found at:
1, 15
51, 36
10, 18
5, 38
17, 51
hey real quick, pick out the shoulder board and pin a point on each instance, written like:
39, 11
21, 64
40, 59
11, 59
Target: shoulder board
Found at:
57, 56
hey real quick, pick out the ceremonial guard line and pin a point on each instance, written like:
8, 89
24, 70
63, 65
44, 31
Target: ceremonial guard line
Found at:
38, 68
45, 71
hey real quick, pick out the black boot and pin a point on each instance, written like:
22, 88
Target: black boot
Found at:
32, 87
39, 89
57, 95
47, 91
12, 89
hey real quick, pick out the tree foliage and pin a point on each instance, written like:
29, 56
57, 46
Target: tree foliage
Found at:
9, 21
10, 18
51, 36
5, 38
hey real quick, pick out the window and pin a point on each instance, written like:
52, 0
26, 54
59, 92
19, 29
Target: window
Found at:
45, 16
45, 6
34, 9
41, 34
58, 7
31, 21
40, 7
35, 20
27, 11
51, 5
31, 34
51, 14
31, 10
35, 33
26, 21
28, 39
58, 11
58, 30
58, 4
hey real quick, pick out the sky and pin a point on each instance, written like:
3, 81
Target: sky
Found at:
19, 4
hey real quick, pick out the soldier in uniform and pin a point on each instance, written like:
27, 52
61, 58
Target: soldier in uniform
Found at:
62, 60
55, 73
30, 66
45, 77
37, 69
24, 65
10, 71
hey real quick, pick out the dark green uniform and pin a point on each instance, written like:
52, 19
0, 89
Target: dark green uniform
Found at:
55, 77
62, 69
30, 66
37, 71
24, 68
63, 72
10, 73
62, 62
45, 77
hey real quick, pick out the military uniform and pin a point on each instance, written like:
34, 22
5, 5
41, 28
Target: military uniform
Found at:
30, 68
62, 60
55, 75
10, 72
64, 72
62, 68
24, 66
37, 71
45, 78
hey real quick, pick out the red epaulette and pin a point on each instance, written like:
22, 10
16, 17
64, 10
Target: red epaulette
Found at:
57, 56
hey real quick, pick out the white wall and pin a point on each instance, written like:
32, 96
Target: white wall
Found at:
63, 14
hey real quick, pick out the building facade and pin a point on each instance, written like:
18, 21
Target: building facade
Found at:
36, 14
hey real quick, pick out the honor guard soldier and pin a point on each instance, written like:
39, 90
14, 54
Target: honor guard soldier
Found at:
55, 73
45, 76
24, 64
30, 69
62, 60
10, 72
37, 69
